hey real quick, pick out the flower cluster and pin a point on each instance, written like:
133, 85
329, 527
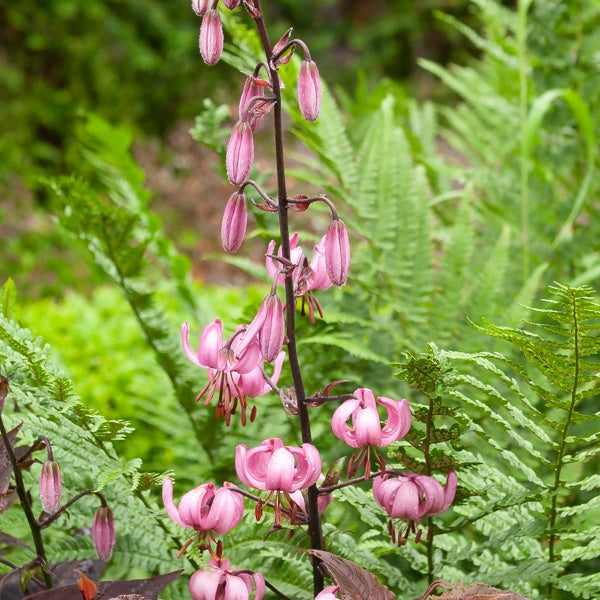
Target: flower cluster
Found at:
284, 476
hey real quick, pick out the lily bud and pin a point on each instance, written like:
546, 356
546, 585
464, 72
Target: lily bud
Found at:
50, 486
211, 37
103, 532
270, 336
309, 90
240, 153
200, 6
233, 226
231, 4
337, 252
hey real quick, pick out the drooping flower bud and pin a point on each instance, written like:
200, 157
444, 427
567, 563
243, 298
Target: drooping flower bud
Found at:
231, 4
240, 153
211, 37
270, 336
103, 532
235, 218
337, 252
309, 90
50, 486
200, 6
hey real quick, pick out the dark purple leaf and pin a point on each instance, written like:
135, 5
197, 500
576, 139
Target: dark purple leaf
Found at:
148, 589
355, 582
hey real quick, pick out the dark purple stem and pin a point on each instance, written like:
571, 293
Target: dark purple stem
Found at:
314, 525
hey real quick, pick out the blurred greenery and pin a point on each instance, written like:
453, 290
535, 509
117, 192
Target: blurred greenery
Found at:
461, 206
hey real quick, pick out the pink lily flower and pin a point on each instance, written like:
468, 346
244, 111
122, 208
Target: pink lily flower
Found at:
275, 467
225, 362
306, 277
221, 583
413, 497
367, 431
205, 508
280, 470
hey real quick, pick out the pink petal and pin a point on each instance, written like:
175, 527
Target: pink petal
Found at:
167, 498
398, 422
338, 422
280, 474
367, 427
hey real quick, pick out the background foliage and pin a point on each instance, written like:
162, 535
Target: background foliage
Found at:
466, 206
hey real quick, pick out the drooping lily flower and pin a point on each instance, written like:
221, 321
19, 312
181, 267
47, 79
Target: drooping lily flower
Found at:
306, 276
278, 469
366, 430
413, 497
224, 364
206, 509
219, 582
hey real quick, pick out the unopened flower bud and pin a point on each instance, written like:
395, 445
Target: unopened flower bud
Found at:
50, 486
231, 4
337, 252
235, 218
240, 153
309, 90
200, 6
211, 37
103, 532
270, 336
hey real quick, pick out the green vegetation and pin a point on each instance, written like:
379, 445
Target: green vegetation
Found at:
473, 291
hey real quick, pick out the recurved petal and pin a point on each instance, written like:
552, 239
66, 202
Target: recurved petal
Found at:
338, 422
309, 466
167, 498
398, 421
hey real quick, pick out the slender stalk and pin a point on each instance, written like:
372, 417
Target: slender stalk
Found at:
35, 529
314, 527
428, 471
563, 446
